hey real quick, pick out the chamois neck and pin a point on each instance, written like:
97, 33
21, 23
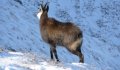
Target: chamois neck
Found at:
44, 17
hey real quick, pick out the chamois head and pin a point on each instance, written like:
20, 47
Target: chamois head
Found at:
42, 9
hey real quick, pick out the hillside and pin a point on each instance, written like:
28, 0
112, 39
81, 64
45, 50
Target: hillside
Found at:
21, 46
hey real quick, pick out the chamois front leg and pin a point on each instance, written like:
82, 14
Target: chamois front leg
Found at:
53, 52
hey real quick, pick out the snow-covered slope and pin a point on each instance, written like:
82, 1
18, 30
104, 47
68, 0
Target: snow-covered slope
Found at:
21, 46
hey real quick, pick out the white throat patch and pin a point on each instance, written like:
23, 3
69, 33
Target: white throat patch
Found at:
39, 14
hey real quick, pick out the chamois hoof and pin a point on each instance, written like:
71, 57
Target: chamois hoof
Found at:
81, 61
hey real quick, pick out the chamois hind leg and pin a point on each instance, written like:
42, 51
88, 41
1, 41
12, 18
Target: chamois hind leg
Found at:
79, 54
75, 48
54, 52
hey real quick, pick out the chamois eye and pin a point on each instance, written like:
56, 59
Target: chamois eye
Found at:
39, 9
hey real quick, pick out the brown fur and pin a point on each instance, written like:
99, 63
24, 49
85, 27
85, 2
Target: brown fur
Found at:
64, 34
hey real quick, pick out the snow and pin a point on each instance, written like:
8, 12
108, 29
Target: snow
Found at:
21, 46
27, 61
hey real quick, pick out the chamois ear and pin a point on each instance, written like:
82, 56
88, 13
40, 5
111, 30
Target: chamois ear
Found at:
41, 6
47, 8
45, 5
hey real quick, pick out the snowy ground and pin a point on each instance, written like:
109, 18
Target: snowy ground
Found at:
21, 46
28, 61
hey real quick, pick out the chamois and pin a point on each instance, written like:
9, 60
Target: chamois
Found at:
59, 33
